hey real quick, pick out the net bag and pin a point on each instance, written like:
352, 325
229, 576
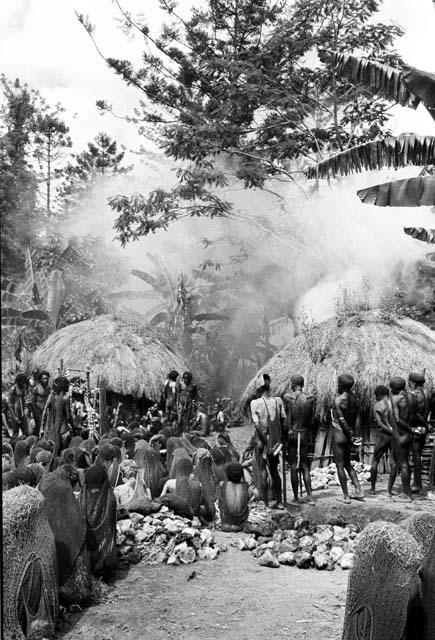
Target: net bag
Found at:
383, 584
30, 600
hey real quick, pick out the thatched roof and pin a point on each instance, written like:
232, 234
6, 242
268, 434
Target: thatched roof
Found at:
368, 348
126, 357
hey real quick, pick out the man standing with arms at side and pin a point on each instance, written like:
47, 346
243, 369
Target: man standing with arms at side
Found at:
299, 408
402, 431
346, 421
268, 416
419, 405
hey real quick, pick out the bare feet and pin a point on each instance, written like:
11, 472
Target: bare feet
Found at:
372, 492
345, 499
277, 505
310, 501
358, 496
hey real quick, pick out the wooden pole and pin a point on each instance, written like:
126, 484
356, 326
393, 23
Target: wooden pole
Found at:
102, 410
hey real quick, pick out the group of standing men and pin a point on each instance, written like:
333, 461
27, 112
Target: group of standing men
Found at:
180, 397
401, 415
38, 408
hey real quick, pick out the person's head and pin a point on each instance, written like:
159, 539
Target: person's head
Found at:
262, 382
21, 380
416, 379
345, 382
234, 472
381, 391
6, 462
128, 470
173, 375
61, 384
184, 467
297, 382
187, 377
43, 378
397, 385
44, 459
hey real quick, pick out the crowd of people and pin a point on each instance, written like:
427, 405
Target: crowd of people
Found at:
402, 413
175, 456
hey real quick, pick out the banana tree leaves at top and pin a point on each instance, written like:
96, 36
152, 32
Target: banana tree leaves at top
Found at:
419, 233
413, 192
56, 293
407, 87
401, 151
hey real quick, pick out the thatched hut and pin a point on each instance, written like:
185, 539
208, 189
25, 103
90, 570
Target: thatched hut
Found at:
369, 348
125, 358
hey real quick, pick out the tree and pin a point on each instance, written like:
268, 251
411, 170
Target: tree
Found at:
51, 141
229, 92
100, 160
18, 181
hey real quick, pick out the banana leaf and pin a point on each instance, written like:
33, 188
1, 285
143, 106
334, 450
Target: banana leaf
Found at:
204, 317
413, 192
35, 314
132, 295
384, 79
14, 301
158, 317
407, 87
146, 277
401, 151
14, 322
420, 233
56, 293
9, 312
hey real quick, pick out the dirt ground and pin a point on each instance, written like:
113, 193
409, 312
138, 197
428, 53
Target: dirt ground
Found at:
233, 595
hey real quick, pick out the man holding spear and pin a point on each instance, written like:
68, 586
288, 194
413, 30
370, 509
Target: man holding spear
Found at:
268, 416
299, 408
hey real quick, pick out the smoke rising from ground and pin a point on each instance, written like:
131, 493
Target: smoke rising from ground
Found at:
316, 244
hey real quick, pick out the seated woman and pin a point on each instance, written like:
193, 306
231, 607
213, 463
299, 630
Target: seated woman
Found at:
233, 498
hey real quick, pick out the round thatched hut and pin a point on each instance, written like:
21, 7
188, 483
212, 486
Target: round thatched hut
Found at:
125, 358
369, 348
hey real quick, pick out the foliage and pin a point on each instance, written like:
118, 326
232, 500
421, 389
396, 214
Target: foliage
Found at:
229, 91
351, 304
318, 346
51, 142
18, 182
101, 159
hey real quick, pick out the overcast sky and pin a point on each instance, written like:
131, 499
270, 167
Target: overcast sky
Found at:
42, 43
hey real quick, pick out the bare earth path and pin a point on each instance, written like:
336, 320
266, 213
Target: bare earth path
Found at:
232, 596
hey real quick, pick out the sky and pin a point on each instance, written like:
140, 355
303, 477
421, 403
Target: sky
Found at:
42, 43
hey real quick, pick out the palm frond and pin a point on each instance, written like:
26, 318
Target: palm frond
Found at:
401, 151
412, 192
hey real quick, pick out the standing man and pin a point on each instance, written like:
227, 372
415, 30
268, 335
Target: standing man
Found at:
346, 422
170, 395
187, 394
40, 393
17, 405
419, 404
56, 418
299, 408
384, 420
268, 416
402, 431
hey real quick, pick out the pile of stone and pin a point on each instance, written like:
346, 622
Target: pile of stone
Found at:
164, 537
322, 546
323, 477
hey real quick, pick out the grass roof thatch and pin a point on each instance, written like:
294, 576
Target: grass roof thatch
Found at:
364, 346
124, 357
